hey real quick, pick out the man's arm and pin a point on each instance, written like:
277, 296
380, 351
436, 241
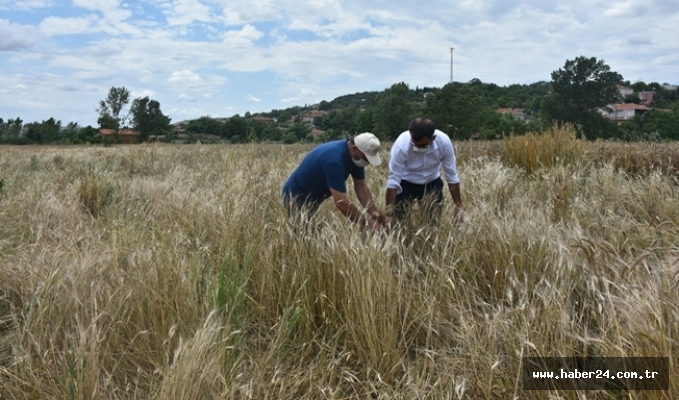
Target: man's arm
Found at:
450, 170
397, 167
352, 212
455, 193
457, 199
366, 198
391, 198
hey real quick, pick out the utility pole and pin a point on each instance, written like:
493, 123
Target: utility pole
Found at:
451, 64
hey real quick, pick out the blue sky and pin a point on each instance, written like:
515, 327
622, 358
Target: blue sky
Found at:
224, 57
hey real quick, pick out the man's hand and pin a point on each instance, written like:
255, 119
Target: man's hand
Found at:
374, 226
382, 218
458, 213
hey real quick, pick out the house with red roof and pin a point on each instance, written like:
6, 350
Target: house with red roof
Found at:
518, 113
620, 113
126, 136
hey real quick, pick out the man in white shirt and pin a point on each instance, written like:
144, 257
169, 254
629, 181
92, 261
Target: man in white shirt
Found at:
414, 169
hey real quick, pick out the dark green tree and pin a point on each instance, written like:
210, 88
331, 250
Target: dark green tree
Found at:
364, 120
632, 98
88, 134
393, 111
664, 98
580, 89
204, 124
439, 107
300, 131
324, 106
69, 134
461, 110
235, 126
10, 130
653, 125
289, 138
148, 119
271, 133
112, 112
341, 121
45, 132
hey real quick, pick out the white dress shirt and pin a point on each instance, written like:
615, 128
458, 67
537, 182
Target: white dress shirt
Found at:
421, 168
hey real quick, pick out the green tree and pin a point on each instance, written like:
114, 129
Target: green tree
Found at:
439, 107
300, 131
69, 134
10, 131
324, 106
271, 133
461, 110
341, 120
235, 126
665, 98
112, 113
44, 132
204, 124
393, 111
580, 89
632, 98
148, 119
364, 120
289, 138
289, 114
653, 125
88, 134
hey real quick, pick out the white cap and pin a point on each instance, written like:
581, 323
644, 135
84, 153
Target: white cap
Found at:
369, 145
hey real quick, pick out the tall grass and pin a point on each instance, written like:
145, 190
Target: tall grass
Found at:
532, 151
172, 272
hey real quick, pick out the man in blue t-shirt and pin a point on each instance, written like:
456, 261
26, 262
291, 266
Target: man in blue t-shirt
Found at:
323, 174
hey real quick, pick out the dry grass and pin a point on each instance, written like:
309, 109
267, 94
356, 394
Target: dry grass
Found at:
170, 272
557, 146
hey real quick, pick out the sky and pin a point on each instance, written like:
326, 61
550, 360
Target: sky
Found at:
218, 58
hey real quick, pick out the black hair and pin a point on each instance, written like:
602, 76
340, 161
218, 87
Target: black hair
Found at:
421, 128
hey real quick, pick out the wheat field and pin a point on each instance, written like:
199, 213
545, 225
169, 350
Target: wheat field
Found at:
171, 272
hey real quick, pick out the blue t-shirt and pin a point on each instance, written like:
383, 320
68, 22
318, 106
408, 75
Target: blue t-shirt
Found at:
326, 167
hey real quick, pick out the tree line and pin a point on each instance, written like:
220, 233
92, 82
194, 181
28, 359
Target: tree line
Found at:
577, 94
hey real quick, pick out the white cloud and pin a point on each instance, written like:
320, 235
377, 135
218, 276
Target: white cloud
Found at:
619, 9
185, 12
243, 37
144, 93
187, 113
111, 9
16, 37
250, 97
69, 26
185, 77
24, 5
245, 12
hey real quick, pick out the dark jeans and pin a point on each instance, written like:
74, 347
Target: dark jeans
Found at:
429, 195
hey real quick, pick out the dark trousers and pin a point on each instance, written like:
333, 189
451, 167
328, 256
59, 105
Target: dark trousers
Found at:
430, 197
